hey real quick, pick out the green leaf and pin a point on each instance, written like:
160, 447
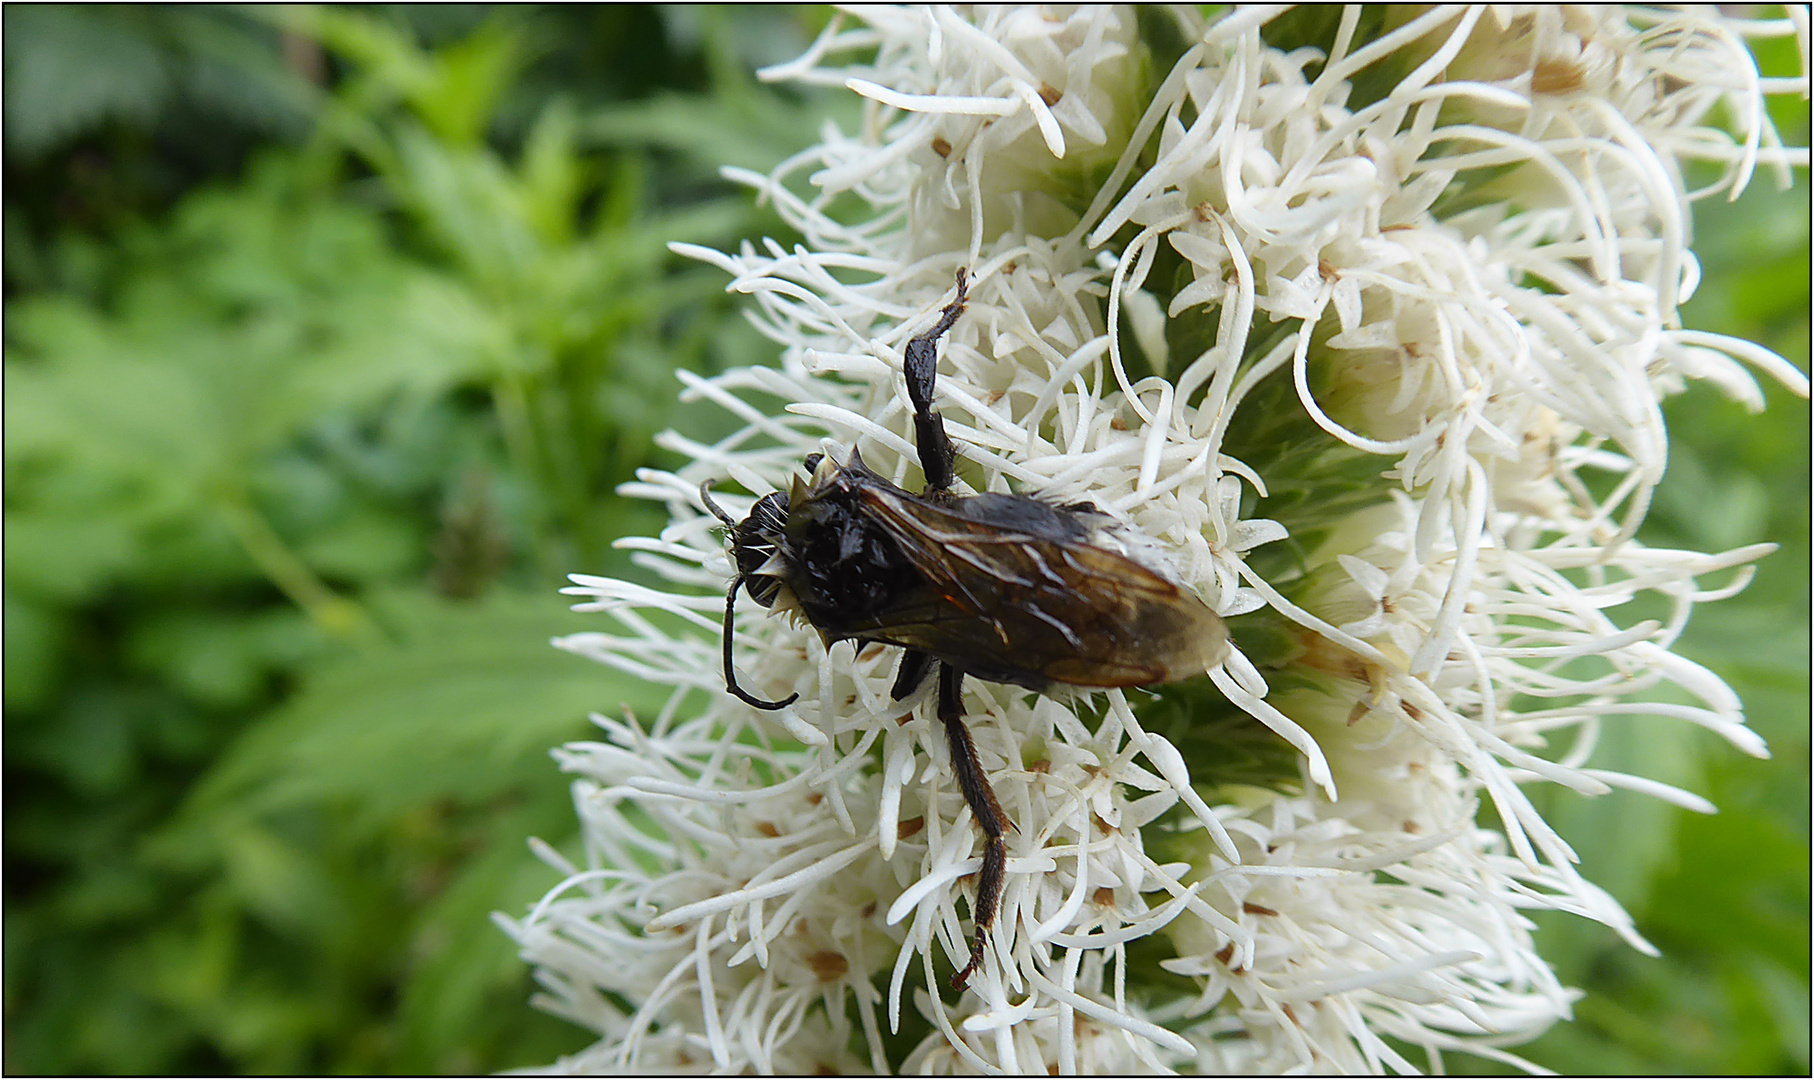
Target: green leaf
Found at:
69, 67
216, 659
469, 78
35, 643
467, 995
280, 882
553, 176
464, 705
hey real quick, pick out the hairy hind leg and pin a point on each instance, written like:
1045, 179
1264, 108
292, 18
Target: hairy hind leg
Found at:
983, 806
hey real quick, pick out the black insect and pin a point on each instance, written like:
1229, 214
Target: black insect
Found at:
1008, 588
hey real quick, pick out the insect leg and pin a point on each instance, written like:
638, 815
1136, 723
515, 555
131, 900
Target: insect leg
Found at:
730, 673
920, 364
915, 666
983, 807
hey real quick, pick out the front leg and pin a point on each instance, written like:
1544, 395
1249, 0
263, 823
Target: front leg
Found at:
920, 365
983, 807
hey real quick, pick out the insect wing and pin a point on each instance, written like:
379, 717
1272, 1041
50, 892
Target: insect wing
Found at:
1033, 605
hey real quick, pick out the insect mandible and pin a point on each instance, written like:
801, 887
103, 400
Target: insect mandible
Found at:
1007, 588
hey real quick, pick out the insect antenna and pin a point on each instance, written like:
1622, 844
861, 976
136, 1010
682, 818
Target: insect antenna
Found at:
717, 511
730, 671
730, 611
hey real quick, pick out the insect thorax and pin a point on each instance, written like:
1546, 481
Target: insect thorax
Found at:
844, 567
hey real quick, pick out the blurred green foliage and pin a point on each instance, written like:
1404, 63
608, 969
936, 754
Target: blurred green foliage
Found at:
329, 335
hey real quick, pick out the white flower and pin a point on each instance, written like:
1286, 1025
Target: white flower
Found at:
1342, 327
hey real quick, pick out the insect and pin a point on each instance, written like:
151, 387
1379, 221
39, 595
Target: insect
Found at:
1006, 588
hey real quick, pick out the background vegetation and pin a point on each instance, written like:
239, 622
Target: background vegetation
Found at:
329, 335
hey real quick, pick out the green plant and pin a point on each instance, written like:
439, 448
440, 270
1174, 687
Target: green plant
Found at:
296, 459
